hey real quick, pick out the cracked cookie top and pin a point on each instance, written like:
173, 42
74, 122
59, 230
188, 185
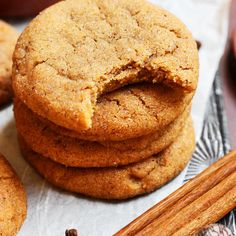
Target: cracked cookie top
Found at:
76, 50
75, 152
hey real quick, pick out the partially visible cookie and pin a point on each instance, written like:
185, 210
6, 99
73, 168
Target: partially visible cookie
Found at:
79, 153
8, 37
12, 200
120, 182
62, 65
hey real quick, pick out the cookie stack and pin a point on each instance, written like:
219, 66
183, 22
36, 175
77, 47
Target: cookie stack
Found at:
103, 91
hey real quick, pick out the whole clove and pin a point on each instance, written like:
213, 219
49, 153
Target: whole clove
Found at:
71, 232
199, 44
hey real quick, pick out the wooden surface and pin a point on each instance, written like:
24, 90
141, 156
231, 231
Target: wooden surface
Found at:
229, 79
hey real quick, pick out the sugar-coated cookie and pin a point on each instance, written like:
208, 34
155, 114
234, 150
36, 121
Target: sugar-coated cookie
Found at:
77, 50
79, 153
120, 182
131, 112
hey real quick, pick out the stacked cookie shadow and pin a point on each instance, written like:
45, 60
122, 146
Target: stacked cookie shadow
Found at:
103, 109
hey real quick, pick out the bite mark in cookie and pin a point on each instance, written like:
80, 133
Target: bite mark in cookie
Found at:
75, 51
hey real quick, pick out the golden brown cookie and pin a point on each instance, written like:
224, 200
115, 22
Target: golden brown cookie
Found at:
120, 182
78, 153
12, 200
143, 142
131, 112
63, 64
8, 37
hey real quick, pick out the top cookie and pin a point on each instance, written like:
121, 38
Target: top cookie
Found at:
8, 37
77, 50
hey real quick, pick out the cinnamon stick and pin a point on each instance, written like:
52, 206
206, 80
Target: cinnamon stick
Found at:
184, 195
212, 214
219, 175
194, 210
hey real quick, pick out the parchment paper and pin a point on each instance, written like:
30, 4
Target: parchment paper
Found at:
50, 210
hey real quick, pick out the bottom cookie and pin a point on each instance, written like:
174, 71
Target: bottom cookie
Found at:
12, 200
118, 182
